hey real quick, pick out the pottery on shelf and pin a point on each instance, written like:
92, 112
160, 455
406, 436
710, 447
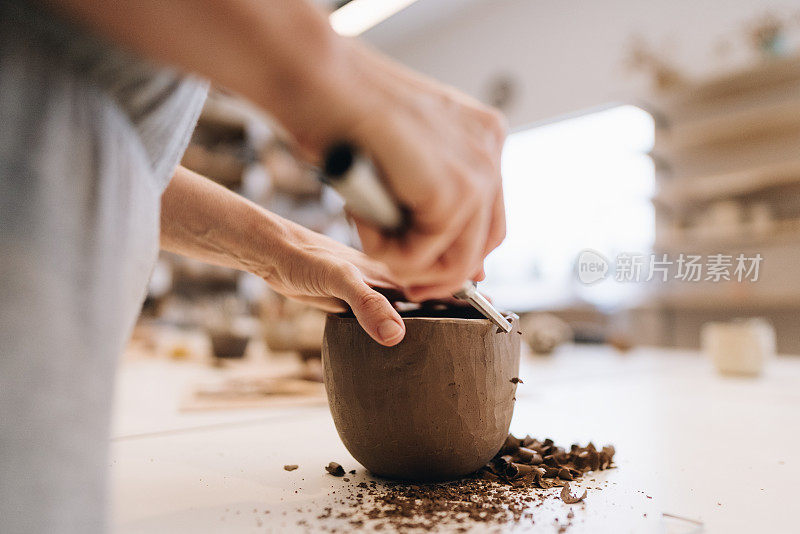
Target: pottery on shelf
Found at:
436, 406
228, 345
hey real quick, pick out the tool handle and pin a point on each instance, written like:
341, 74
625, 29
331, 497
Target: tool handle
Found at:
356, 179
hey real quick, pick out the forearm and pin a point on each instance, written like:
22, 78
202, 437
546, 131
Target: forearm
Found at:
280, 54
203, 220
438, 150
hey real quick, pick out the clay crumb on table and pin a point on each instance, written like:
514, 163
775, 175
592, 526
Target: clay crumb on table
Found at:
335, 469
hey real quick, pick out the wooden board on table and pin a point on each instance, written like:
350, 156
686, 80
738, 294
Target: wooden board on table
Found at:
254, 392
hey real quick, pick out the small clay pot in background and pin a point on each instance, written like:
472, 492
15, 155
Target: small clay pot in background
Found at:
437, 406
228, 345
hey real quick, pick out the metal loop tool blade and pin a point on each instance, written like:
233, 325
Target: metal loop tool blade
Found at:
471, 294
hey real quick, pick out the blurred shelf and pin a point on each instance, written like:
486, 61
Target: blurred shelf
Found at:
715, 301
678, 193
735, 125
726, 243
699, 160
766, 80
224, 165
728, 161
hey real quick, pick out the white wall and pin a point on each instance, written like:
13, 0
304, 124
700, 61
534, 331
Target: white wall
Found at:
569, 55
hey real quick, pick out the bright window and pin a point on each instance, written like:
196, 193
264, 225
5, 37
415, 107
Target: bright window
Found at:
580, 183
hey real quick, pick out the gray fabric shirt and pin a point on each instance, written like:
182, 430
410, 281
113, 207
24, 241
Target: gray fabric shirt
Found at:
89, 137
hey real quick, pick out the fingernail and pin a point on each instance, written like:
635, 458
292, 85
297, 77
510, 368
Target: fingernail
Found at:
389, 330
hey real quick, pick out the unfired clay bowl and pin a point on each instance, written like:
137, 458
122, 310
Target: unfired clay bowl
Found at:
437, 406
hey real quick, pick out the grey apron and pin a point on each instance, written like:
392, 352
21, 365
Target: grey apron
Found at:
89, 138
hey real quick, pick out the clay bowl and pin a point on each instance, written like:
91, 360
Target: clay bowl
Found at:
437, 406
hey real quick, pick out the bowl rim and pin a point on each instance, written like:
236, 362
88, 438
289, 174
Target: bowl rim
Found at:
510, 316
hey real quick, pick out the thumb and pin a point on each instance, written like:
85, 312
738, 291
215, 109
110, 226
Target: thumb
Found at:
374, 313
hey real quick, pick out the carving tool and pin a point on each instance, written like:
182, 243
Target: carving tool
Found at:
356, 179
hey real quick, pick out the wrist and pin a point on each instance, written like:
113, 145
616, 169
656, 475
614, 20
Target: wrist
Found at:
276, 246
299, 84
259, 240
321, 101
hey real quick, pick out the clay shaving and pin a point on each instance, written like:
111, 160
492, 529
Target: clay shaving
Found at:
290, 467
335, 469
568, 498
506, 490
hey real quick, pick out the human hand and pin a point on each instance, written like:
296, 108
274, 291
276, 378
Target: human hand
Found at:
317, 270
206, 221
439, 152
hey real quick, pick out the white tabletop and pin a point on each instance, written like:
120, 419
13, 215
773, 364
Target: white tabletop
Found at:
720, 450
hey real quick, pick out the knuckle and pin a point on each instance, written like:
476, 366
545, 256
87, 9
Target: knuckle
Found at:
497, 234
370, 301
501, 124
441, 198
496, 121
437, 211
406, 264
433, 208
475, 198
477, 182
414, 294
493, 243
462, 175
469, 190
428, 293
454, 274
350, 270
463, 273
488, 159
498, 238
415, 266
346, 271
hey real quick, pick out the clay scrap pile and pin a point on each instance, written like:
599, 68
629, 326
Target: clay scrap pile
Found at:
542, 463
506, 490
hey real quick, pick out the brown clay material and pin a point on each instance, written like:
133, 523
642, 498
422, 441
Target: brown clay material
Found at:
228, 345
568, 498
335, 469
505, 492
436, 406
